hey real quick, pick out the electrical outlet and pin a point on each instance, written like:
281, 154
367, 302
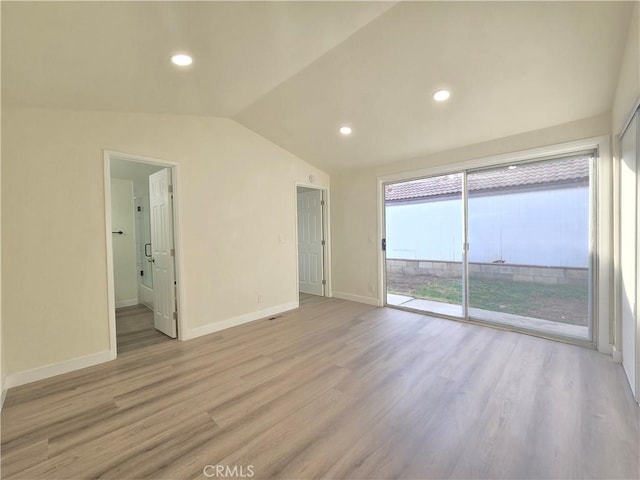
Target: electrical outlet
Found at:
259, 298
372, 288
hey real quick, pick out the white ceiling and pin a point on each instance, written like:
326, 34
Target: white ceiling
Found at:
115, 55
295, 71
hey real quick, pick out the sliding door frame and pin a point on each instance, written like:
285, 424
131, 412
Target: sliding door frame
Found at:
600, 222
465, 246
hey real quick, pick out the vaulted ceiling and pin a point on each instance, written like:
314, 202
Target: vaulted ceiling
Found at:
295, 72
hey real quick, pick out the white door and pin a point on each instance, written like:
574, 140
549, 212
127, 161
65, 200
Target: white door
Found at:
162, 252
628, 253
310, 242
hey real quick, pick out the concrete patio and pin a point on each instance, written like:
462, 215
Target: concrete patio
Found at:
451, 310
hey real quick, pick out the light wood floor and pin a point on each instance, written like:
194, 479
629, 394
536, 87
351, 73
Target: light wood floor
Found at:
334, 389
134, 329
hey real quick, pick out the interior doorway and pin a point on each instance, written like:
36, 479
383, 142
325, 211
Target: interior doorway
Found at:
140, 210
311, 241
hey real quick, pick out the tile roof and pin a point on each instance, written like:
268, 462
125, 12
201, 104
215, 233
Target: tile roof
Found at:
554, 172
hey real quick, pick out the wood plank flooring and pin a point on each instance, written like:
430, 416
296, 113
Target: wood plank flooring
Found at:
134, 329
334, 389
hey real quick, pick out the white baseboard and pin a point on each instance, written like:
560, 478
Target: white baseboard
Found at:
127, 303
356, 298
145, 295
40, 373
239, 320
617, 355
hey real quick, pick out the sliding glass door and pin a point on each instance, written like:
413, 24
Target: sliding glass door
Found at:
529, 231
528, 228
424, 258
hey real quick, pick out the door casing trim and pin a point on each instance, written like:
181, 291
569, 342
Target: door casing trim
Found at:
177, 234
326, 227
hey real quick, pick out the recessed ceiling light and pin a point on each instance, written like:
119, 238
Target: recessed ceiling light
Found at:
441, 95
182, 60
345, 130
512, 167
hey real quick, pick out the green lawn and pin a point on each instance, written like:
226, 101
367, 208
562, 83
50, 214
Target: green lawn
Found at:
562, 303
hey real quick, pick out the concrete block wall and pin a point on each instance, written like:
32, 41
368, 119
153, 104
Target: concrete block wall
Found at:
409, 273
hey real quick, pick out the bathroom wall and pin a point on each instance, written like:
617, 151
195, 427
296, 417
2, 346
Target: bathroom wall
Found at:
124, 245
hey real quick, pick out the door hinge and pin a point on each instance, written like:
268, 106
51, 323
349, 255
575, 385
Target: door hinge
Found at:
175, 315
384, 244
173, 252
170, 188
322, 243
322, 202
324, 282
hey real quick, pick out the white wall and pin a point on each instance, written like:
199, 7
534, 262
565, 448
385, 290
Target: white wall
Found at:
238, 194
626, 98
628, 90
3, 383
124, 246
354, 201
